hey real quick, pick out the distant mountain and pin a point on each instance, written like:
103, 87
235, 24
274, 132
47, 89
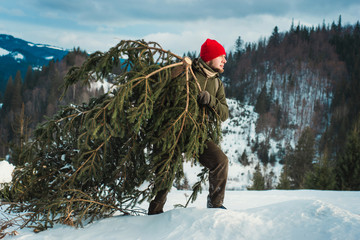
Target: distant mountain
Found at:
17, 54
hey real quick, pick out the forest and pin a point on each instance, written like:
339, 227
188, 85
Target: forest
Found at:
305, 80
28, 100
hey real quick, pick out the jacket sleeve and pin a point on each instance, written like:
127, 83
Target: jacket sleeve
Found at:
218, 103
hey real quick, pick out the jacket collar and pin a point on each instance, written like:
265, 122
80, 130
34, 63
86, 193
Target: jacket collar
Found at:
201, 66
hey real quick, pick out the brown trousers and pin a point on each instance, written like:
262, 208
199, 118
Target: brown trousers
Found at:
216, 161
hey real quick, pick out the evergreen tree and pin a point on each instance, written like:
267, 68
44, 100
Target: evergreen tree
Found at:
274, 40
89, 161
244, 159
322, 176
284, 182
348, 163
29, 80
8, 95
301, 159
21, 130
269, 179
263, 101
258, 180
238, 48
263, 152
16, 98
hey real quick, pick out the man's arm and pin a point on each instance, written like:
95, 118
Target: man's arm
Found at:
218, 103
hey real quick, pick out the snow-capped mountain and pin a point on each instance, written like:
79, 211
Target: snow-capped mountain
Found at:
17, 54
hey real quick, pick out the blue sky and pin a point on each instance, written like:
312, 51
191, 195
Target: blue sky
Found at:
177, 25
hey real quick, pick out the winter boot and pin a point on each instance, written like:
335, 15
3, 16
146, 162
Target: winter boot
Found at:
210, 205
156, 206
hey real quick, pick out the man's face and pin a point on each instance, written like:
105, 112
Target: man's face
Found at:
217, 64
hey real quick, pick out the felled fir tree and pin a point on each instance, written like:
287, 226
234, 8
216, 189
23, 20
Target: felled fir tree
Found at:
119, 149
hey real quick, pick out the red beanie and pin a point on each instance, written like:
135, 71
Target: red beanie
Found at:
211, 49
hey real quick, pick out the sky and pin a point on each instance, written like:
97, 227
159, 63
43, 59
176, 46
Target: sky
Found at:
177, 25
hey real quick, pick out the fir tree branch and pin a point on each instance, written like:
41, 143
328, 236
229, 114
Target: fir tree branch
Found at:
92, 156
91, 159
154, 48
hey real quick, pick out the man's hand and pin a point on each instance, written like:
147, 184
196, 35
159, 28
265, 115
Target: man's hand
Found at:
204, 97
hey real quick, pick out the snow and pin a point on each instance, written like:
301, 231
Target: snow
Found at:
4, 52
18, 56
274, 214
239, 134
45, 45
49, 46
37, 68
5, 171
98, 84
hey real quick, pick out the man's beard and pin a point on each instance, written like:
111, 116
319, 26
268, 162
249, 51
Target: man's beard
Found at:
219, 70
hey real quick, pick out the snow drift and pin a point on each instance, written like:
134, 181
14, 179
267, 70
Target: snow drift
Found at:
266, 215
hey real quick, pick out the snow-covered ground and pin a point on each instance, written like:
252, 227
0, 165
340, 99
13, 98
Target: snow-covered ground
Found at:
274, 214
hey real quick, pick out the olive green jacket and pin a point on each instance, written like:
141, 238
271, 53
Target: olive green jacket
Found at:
209, 81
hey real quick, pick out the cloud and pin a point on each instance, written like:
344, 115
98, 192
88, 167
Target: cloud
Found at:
183, 10
226, 31
12, 12
114, 14
179, 26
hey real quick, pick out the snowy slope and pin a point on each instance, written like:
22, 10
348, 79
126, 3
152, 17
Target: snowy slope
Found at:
238, 132
275, 214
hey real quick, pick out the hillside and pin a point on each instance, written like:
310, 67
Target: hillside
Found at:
17, 54
303, 83
37, 93
239, 135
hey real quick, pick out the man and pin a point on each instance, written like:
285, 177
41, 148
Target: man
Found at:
207, 68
